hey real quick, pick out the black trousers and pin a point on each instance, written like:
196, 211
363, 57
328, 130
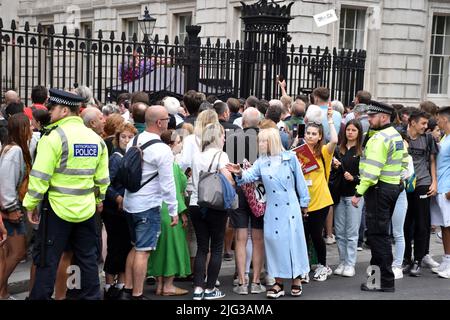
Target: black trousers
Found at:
83, 238
118, 242
314, 225
210, 232
380, 203
417, 224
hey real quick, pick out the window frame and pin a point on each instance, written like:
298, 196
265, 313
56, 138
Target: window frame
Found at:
178, 17
363, 15
431, 48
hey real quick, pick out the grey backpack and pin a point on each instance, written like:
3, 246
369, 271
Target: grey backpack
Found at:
210, 192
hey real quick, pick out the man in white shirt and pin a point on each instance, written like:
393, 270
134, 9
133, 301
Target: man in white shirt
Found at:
142, 208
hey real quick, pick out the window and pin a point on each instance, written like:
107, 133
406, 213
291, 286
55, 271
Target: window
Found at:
86, 72
183, 21
85, 28
239, 25
439, 55
351, 28
132, 27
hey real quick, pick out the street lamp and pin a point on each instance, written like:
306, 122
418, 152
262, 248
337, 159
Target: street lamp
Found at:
147, 24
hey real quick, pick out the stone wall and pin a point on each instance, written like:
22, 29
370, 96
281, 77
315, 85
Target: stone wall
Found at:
398, 32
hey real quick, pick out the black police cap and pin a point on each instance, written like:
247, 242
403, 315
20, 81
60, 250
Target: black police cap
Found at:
375, 107
64, 98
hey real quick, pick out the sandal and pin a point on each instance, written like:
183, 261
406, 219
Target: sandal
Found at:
177, 292
296, 290
274, 293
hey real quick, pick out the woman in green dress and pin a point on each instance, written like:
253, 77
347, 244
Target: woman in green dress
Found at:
171, 257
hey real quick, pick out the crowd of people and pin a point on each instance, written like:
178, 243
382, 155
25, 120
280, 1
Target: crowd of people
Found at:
382, 175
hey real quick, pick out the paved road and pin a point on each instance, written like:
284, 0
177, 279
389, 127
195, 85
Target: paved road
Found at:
428, 286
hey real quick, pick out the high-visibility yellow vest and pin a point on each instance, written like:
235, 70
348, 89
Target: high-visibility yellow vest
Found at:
384, 158
72, 166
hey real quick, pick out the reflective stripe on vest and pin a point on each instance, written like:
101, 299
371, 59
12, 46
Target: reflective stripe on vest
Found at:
65, 156
41, 175
35, 194
71, 191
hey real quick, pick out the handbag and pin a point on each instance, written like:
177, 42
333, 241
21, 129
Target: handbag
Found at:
210, 190
255, 193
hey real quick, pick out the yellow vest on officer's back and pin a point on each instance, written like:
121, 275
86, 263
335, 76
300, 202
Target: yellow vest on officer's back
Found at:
384, 158
72, 165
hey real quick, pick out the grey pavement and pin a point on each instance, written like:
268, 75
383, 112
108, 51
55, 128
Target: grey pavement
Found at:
427, 287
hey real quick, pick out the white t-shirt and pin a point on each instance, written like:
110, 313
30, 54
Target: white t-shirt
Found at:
191, 147
201, 162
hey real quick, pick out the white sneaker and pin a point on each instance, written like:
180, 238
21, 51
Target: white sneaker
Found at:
349, 271
330, 240
322, 273
441, 267
445, 273
398, 273
338, 271
257, 288
429, 262
241, 289
305, 278
359, 248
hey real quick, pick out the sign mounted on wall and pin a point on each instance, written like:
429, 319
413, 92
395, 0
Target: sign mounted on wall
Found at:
325, 18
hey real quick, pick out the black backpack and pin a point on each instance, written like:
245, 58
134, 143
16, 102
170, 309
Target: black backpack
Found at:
130, 170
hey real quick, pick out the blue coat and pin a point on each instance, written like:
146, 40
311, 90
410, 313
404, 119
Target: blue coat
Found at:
284, 236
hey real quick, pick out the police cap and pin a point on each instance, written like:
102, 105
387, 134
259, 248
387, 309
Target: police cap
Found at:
375, 107
64, 98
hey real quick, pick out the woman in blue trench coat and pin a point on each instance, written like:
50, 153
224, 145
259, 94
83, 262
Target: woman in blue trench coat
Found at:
286, 197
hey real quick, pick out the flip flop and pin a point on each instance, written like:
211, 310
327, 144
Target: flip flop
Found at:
177, 292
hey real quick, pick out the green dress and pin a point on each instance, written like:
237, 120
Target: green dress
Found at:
171, 257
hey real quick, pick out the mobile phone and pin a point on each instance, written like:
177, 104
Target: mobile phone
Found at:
301, 130
294, 132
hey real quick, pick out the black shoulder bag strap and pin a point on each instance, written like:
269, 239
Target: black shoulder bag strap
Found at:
324, 167
144, 146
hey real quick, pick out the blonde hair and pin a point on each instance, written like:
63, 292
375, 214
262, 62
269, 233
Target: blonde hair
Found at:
204, 118
272, 136
211, 136
267, 124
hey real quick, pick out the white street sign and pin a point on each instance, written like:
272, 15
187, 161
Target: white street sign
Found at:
325, 18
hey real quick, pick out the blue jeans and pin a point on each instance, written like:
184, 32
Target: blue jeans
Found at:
398, 221
347, 220
145, 228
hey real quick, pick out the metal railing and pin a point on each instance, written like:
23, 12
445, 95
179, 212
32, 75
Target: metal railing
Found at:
110, 66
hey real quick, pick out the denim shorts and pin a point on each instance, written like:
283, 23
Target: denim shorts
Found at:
15, 228
145, 228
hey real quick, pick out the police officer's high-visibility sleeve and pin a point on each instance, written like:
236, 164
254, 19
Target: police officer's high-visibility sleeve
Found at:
373, 160
101, 176
43, 168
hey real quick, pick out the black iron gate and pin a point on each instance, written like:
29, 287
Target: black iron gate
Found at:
109, 64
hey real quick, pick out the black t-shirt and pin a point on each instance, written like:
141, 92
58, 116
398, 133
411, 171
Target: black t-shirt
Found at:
350, 163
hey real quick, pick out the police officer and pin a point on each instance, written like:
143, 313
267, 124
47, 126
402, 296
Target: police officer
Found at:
384, 158
71, 171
